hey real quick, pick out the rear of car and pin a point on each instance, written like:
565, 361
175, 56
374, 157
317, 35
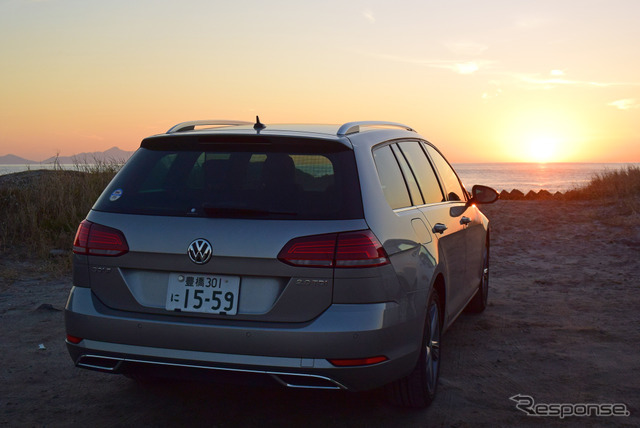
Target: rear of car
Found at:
244, 252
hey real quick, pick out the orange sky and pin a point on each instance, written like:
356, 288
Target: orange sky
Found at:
487, 81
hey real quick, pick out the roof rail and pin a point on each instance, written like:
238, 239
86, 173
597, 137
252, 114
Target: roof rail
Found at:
190, 126
354, 127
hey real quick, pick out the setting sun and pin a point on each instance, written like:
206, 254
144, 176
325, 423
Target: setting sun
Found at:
542, 149
548, 133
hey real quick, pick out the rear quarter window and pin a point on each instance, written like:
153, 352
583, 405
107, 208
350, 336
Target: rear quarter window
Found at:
391, 180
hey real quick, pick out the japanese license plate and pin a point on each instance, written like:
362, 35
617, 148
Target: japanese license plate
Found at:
210, 294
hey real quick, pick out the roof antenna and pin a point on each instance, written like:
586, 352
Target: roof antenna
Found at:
259, 126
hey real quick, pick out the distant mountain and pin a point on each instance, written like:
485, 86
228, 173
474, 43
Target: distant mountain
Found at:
114, 154
14, 160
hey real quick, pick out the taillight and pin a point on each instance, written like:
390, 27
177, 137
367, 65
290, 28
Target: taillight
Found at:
349, 249
312, 251
358, 249
99, 240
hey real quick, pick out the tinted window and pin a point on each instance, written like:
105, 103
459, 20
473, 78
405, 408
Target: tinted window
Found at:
423, 171
237, 181
409, 178
452, 185
393, 185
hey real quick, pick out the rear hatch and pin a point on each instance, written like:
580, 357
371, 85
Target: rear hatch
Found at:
203, 222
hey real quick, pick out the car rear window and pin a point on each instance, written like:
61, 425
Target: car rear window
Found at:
262, 178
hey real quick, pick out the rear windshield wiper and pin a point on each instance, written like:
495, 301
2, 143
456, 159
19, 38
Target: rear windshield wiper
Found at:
231, 212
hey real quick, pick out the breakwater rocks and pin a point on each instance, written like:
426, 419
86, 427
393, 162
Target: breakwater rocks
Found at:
541, 195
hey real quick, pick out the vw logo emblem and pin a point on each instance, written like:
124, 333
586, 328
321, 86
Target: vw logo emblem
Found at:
200, 251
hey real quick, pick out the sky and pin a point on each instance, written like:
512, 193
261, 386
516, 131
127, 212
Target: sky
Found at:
485, 81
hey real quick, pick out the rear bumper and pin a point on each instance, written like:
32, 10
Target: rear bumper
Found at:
295, 354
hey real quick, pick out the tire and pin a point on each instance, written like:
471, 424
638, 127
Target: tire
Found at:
479, 302
418, 389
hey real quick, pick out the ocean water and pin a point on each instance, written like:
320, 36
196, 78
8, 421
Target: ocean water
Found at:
553, 177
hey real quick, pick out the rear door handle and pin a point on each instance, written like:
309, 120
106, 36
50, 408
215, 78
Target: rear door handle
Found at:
439, 228
465, 220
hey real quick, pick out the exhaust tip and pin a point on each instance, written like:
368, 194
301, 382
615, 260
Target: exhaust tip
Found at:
95, 362
306, 381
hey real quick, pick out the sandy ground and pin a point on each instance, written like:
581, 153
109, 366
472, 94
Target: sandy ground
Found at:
563, 326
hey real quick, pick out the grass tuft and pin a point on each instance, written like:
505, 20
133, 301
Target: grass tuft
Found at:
616, 184
617, 188
41, 209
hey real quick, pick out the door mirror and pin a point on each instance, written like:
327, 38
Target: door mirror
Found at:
479, 195
483, 195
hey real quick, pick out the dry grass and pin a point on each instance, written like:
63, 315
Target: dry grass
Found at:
41, 209
619, 190
622, 183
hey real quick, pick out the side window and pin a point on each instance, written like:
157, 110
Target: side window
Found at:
393, 185
423, 171
452, 185
410, 179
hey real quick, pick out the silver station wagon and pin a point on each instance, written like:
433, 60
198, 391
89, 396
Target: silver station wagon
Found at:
315, 256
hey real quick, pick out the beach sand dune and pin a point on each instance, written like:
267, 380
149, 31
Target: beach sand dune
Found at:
563, 326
